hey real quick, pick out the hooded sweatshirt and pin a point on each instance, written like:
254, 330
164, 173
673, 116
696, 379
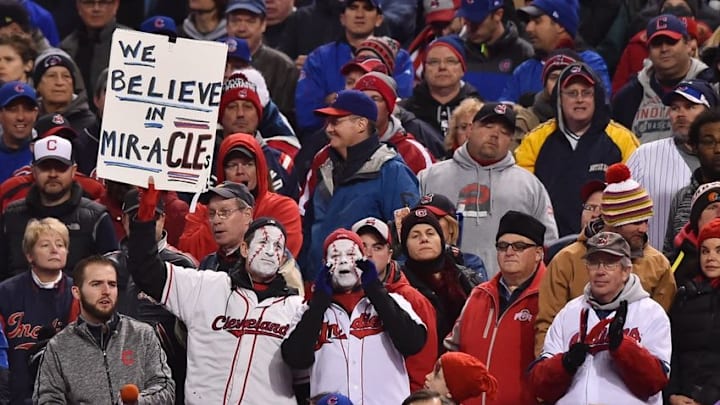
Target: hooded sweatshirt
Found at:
483, 194
413, 152
189, 30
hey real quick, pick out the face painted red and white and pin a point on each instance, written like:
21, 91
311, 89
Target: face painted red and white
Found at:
265, 253
341, 255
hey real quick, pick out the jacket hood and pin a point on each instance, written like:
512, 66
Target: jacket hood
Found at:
249, 142
601, 116
631, 292
696, 67
192, 31
464, 160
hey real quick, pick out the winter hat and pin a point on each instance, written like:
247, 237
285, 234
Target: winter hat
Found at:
563, 12
452, 42
558, 60
341, 233
417, 216
521, 224
238, 87
711, 230
624, 200
261, 222
51, 60
366, 65
705, 195
258, 80
384, 48
238, 48
466, 377
383, 84
440, 10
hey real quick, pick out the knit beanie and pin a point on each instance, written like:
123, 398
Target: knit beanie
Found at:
384, 48
342, 234
624, 200
454, 43
521, 224
711, 230
705, 195
466, 377
51, 60
238, 87
419, 216
558, 59
383, 84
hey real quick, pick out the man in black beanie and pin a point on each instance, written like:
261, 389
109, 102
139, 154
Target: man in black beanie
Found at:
504, 308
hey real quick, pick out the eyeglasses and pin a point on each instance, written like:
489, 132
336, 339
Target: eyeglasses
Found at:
447, 61
90, 3
516, 246
591, 207
708, 142
596, 264
578, 94
464, 126
223, 213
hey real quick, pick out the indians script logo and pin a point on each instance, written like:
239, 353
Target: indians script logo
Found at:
366, 325
240, 327
328, 333
601, 341
16, 329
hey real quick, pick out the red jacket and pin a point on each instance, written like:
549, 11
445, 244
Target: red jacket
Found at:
422, 363
197, 237
17, 187
631, 61
505, 345
413, 152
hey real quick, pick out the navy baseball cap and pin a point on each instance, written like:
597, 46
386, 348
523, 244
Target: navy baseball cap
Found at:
229, 189
374, 3
476, 11
238, 48
253, 6
159, 24
496, 112
351, 102
695, 91
14, 90
666, 25
563, 12
54, 124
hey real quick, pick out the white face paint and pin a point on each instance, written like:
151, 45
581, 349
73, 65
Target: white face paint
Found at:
341, 255
265, 253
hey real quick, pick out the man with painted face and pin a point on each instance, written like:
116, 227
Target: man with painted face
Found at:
353, 334
236, 322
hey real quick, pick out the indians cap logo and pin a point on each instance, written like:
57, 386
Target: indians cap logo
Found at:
421, 213
332, 400
427, 198
52, 61
713, 196
602, 240
232, 45
370, 221
500, 109
159, 23
58, 119
575, 69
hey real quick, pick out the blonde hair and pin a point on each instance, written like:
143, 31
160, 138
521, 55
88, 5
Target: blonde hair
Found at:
35, 228
469, 106
453, 229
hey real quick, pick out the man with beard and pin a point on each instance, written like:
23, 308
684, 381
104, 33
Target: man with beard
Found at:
55, 194
664, 167
94, 357
626, 208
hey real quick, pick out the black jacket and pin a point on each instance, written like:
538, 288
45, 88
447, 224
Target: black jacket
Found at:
426, 108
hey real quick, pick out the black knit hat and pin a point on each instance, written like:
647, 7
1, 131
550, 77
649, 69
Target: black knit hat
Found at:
52, 60
706, 194
521, 224
259, 223
420, 215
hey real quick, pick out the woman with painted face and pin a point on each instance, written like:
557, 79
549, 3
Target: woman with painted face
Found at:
432, 270
353, 334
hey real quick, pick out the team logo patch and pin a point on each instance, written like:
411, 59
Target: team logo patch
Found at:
52, 60
58, 119
159, 23
505, 65
602, 240
232, 45
575, 69
427, 199
523, 315
500, 109
128, 357
434, 4
421, 213
332, 400
555, 14
714, 196
365, 326
19, 88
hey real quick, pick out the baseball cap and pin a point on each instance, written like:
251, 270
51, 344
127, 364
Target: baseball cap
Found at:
563, 12
576, 71
334, 399
439, 10
253, 6
229, 189
240, 150
14, 90
366, 65
592, 186
496, 111
476, 11
351, 102
131, 202
54, 124
666, 25
607, 242
438, 204
14, 12
374, 3
238, 48
375, 225
261, 222
53, 148
159, 24
695, 91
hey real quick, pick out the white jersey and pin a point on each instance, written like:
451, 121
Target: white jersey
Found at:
662, 170
356, 357
233, 341
597, 381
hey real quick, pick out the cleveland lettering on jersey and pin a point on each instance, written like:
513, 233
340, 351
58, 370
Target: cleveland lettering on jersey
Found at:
239, 327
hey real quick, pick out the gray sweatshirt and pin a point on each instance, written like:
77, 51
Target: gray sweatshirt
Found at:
81, 368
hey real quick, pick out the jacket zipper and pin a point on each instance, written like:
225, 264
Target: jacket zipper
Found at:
107, 367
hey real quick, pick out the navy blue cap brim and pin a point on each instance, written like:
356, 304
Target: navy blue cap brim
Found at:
17, 96
244, 7
473, 17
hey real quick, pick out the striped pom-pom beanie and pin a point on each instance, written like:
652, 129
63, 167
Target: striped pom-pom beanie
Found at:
624, 200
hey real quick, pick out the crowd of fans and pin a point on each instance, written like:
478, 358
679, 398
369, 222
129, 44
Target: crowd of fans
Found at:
412, 202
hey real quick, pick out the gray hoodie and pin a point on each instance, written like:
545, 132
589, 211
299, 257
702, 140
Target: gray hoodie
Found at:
483, 194
76, 369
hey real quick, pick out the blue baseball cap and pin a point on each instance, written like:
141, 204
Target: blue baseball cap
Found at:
351, 102
238, 48
253, 6
159, 24
476, 11
666, 25
14, 90
563, 12
334, 399
375, 3
695, 91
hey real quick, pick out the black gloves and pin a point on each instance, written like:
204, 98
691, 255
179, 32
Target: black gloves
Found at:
615, 331
575, 357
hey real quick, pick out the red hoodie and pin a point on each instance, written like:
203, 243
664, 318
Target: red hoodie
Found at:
197, 238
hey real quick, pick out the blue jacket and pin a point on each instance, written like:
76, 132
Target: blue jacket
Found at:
4, 372
527, 78
382, 184
11, 160
321, 76
42, 20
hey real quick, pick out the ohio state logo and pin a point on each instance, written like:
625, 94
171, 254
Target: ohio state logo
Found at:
523, 315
